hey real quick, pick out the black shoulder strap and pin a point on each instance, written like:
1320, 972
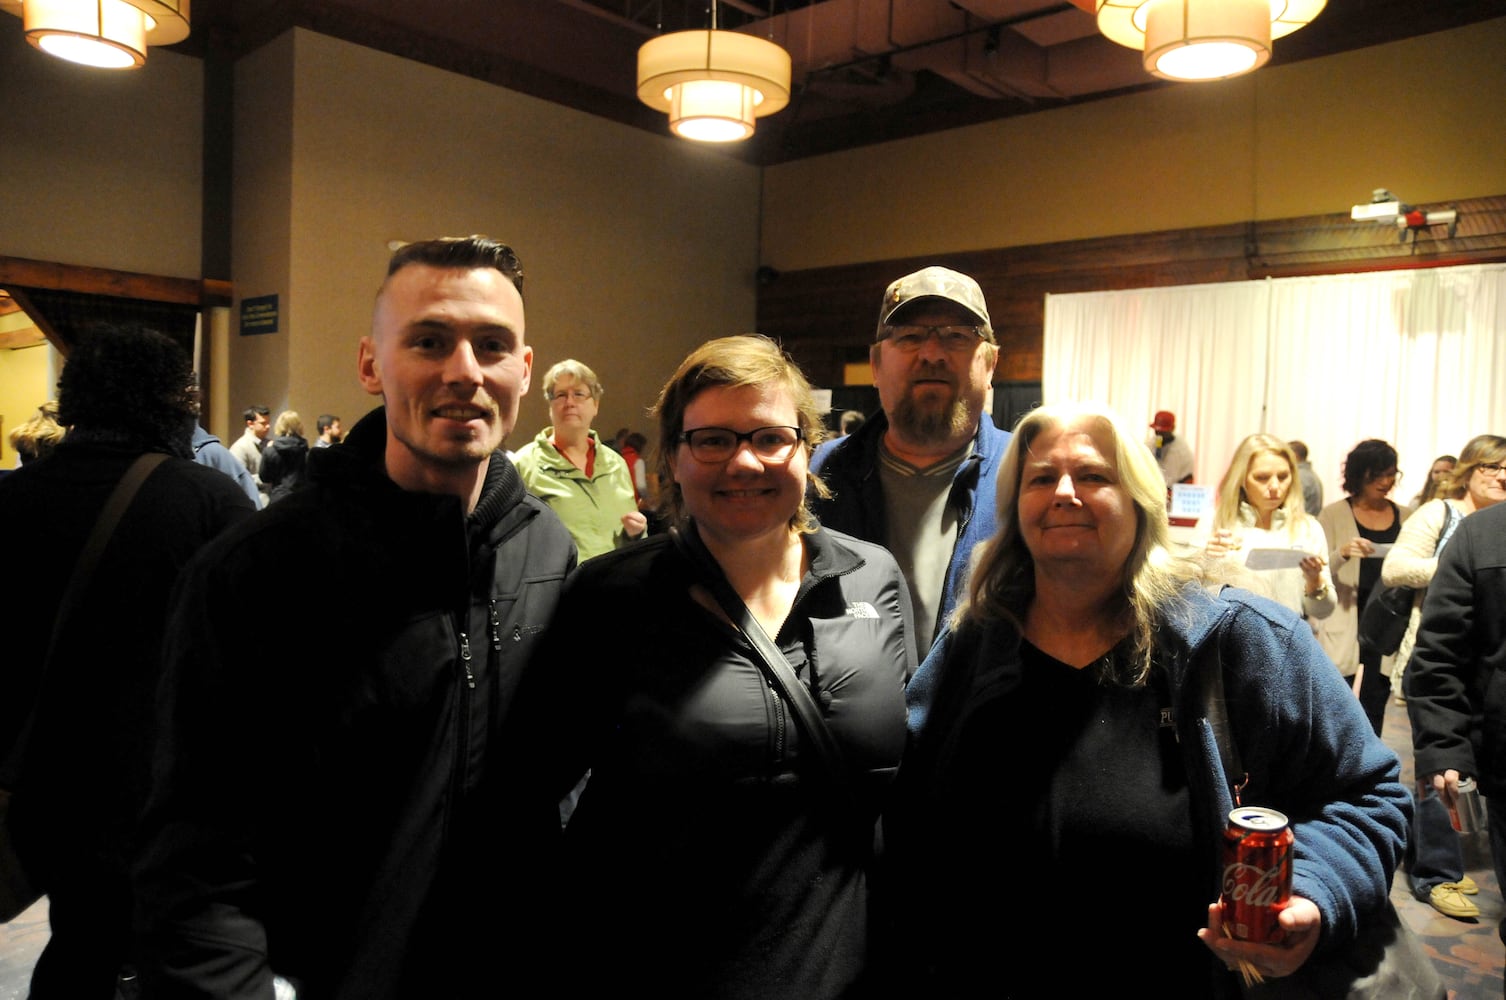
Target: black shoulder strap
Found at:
771, 660
1451, 519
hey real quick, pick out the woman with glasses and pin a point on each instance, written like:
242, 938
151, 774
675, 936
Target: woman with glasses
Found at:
717, 851
1354, 526
1435, 868
585, 483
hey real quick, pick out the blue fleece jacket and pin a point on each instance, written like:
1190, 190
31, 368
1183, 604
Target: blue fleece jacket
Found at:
1301, 734
849, 466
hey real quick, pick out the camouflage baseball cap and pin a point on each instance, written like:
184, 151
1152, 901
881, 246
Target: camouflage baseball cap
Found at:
935, 283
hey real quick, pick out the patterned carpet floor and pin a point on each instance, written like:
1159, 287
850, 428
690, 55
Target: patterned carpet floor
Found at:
1468, 953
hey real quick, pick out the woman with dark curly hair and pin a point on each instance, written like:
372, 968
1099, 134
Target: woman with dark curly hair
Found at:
1364, 519
73, 740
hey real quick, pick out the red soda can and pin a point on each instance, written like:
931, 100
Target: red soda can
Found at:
1257, 881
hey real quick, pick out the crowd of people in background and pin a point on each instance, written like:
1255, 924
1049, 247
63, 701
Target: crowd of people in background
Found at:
755, 710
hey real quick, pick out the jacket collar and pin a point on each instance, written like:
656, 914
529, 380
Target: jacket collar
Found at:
828, 559
555, 461
358, 461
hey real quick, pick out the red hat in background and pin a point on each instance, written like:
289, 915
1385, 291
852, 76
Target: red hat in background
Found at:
1165, 421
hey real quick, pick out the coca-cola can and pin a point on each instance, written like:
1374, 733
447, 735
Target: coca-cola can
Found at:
1257, 881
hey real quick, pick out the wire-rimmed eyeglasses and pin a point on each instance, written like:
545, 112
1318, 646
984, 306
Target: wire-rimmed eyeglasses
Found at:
954, 337
714, 445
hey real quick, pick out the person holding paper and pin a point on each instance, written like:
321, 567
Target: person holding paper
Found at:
1360, 529
1261, 523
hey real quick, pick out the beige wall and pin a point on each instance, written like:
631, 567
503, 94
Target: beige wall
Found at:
100, 168
341, 149
638, 246
262, 193
1418, 117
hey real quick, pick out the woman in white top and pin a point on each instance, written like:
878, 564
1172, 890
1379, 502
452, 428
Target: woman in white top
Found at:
1259, 509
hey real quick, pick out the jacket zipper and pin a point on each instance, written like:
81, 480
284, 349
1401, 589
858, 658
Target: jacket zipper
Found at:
465, 660
778, 726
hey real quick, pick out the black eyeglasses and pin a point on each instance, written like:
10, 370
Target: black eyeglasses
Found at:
713, 445
578, 395
911, 337
1490, 468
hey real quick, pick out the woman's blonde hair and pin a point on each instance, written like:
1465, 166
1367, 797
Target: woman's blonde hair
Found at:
38, 436
1483, 449
1003, 578
1231, 489
730, 363
288, 422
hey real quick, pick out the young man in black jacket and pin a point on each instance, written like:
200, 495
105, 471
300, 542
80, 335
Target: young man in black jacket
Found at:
326, 811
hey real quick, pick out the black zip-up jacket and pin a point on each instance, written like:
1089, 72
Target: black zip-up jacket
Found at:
324, 813
1456, 682
710, 854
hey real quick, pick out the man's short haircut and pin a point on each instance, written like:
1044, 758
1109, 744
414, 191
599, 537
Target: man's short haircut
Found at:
582, 373
1299, 448
851, 420
257, 410
460, 252
325, 422
130, 385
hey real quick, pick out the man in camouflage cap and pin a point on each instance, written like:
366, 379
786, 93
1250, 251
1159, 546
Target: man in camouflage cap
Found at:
918, 477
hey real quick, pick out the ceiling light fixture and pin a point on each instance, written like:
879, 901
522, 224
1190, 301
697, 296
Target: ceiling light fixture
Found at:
110, 34
713, 84
1203, 39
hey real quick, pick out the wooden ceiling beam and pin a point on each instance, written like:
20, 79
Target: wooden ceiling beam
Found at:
24, 273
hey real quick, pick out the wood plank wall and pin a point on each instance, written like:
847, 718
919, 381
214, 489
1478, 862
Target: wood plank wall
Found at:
825, 316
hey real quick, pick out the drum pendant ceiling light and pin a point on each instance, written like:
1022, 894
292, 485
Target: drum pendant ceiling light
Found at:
713, 84
1203, 39
110, 34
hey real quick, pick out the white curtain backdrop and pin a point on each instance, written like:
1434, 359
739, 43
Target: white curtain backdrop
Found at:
1417, 358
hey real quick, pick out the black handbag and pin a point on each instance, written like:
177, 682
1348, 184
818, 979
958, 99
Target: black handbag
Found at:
17, 890
1387, 612
1383, 621
1385, 961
